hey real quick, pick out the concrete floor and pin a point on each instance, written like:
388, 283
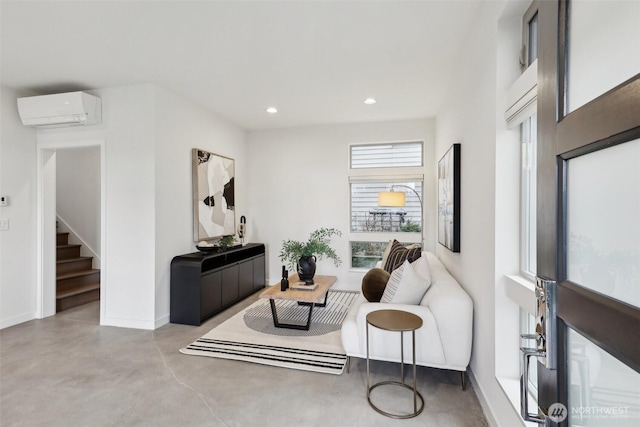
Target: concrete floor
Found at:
67, 370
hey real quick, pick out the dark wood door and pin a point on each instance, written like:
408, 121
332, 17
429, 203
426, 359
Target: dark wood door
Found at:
588, 233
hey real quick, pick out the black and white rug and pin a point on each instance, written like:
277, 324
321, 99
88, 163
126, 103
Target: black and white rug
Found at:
251, 337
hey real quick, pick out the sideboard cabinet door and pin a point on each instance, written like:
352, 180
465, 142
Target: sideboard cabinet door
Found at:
230, 285
210, 294
258, 273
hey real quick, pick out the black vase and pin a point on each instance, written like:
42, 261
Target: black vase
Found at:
307, 268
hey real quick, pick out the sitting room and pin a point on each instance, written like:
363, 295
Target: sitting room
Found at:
317, 213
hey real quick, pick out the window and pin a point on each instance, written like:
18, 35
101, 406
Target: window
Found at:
528, 198
529, 36
377, 168
529, 137
402, 154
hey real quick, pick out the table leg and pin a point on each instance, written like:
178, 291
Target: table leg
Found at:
402, 358
299, 327
368, 377
415, 391
324, 304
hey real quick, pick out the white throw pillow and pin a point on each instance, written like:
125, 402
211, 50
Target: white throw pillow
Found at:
421, 266
405, 286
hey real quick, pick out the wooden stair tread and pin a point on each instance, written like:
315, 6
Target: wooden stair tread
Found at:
77, 274
76, 291
66, 260
67, 246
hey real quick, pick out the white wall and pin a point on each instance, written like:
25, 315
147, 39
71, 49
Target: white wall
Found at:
181, 126
128, 260
469, 117
18, 244
148, 135
299, 182
78, 197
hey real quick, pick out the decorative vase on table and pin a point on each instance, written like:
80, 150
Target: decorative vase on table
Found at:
307, 268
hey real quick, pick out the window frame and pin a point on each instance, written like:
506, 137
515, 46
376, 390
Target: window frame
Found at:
528, 192
391, 175
529, 15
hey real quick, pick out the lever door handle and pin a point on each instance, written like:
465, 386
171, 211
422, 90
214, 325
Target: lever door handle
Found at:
527, 353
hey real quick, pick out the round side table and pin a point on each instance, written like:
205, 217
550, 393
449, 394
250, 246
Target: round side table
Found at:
396, 321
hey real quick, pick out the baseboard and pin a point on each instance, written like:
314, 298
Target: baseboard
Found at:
128, 323
481, 398
16, 320
161, 321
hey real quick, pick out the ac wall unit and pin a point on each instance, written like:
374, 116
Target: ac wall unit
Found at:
60, 109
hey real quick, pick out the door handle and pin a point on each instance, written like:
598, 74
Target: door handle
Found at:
546, 323
527, 353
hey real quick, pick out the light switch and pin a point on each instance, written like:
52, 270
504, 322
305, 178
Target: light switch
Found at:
4, 201
4, 224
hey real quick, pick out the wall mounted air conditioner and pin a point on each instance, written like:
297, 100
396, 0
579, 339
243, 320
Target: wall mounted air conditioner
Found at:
60, 109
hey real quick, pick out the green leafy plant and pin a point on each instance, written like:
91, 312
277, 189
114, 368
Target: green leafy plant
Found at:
318, 245
411, 227
226, 242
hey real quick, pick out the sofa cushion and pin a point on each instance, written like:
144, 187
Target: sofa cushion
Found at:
405, 286
373, 284
399, 254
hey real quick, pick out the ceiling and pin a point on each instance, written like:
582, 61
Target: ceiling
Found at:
316, 61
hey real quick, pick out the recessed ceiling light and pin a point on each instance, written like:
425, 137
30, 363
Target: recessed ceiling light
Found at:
272, 110
370, 101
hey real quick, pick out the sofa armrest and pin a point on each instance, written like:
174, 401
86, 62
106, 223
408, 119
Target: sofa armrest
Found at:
452, 309
422, 334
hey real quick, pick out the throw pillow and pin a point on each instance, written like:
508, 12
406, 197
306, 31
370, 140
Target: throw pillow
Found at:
385, 254
405, 286
373, 284
399, 254
421, 266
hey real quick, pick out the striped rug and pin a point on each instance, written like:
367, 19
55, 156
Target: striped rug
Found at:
250, 336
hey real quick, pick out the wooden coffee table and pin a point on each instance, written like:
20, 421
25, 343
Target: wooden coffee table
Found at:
303, 297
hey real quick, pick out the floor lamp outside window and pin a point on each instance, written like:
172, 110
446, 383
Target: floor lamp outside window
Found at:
399, 199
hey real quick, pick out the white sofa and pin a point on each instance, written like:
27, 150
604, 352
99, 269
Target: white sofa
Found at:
443, 341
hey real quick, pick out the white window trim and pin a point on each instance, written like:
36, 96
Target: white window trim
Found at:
522, 97
522, 291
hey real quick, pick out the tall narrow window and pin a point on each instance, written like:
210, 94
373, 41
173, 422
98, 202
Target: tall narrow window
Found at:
528, 198
529, 36
532, 39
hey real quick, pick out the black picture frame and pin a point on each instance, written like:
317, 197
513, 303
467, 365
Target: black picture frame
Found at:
449, 199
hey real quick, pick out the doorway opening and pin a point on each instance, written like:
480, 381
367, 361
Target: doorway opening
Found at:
71, 206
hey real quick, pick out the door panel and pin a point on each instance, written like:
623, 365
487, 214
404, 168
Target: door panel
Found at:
588, 229
603, 226
603, 391
601, 34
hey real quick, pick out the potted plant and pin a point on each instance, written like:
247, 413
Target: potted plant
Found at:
305, 254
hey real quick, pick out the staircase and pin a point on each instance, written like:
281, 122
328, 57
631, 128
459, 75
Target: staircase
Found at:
77, 282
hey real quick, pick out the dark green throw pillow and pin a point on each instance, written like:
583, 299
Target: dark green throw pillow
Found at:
373, 284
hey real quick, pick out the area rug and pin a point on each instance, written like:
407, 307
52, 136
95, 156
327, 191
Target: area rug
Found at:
250, 336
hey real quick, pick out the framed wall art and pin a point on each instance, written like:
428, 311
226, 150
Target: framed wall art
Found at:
214, 214
449, 199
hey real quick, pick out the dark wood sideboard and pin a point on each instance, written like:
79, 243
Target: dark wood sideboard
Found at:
205, 284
